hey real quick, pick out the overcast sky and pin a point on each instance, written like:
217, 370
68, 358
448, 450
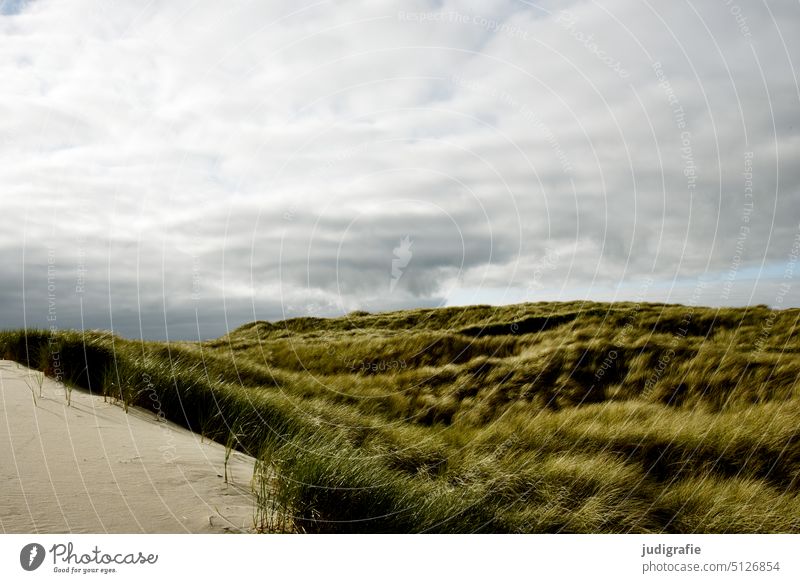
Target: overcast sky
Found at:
176, 168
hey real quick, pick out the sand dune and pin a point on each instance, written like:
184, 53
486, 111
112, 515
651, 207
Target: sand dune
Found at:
90, 467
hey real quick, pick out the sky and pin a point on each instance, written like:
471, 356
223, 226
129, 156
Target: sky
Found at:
174, 169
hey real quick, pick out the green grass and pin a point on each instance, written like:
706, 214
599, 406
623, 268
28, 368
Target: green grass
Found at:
548, 417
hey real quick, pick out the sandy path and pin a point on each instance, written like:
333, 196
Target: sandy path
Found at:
91, 467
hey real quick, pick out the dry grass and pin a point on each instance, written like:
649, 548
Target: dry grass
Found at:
532, 418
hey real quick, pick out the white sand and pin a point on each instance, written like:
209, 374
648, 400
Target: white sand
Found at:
91, 467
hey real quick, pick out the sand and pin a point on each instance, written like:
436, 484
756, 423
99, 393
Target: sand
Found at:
92, 468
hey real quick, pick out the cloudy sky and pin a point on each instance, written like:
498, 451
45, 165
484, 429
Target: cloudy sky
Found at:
177, 168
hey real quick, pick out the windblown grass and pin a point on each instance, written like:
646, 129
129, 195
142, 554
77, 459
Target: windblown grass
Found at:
550, 417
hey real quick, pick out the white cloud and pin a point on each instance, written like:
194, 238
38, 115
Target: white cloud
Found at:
192, 156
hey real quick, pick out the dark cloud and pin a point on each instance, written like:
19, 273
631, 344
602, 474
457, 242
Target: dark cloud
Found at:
269, 160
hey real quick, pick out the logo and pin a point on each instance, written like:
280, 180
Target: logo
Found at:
31, 556
402, 256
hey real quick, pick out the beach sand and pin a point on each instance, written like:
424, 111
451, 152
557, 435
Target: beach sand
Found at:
91, 467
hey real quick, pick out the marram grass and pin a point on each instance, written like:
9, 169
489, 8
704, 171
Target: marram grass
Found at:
549, 417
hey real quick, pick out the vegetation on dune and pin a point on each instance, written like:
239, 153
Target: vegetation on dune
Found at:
548, 417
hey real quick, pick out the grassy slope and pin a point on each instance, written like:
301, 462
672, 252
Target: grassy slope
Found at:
550, 417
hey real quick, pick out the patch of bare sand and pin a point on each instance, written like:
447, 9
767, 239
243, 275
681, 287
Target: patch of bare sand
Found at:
90, 467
